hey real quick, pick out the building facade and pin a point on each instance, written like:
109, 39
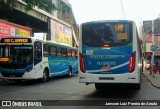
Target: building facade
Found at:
39, 21
147, 40
66, 14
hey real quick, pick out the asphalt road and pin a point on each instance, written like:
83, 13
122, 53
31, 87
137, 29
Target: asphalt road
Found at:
68, 89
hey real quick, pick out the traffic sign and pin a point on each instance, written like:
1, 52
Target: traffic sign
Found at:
153, 47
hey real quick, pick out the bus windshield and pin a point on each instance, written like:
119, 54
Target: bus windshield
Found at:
16, 54
112, 33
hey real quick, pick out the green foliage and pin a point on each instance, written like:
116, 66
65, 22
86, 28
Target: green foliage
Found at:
42, 4
7, 4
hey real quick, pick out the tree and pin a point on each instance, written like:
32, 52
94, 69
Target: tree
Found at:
46, 5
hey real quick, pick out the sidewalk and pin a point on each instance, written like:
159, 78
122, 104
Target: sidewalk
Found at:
155, 81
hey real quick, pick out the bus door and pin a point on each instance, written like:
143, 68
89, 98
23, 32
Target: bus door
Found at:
38, 56
65, 62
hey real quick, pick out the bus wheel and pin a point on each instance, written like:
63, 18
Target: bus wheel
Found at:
45, 76
98, 86
137, 86
70, 72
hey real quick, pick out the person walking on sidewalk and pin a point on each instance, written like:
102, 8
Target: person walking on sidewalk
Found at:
159, 67
150, 67
155, 67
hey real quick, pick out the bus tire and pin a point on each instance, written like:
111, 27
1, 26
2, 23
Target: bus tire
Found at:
98, 86
69, 72
45, 77
137, 86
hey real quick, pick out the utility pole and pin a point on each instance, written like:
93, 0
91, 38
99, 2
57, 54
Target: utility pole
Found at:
122, 9
152, 61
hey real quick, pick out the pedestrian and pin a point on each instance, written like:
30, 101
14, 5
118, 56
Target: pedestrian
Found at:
159, 67
149, 67
155, 67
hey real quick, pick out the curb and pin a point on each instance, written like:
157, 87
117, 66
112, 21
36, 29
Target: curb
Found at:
151, 82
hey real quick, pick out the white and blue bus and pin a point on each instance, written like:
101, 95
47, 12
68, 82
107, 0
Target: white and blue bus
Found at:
30, 58
110, 53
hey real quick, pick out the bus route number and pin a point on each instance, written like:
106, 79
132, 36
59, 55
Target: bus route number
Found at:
118, 27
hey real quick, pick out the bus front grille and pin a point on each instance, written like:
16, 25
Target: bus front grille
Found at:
12, 75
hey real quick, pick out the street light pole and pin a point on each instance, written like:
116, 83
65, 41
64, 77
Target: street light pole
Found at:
152, 61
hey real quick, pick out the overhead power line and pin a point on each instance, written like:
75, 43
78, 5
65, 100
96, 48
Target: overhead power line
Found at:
123, 12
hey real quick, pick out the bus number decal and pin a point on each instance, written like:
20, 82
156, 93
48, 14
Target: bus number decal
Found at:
118, 27
108, 63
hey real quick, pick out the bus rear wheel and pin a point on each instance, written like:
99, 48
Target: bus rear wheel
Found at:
137, 86
98, 86
45, 77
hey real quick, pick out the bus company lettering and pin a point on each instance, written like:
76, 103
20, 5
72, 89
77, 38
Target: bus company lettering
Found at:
107, 56
114, 56
16, 40
97, 56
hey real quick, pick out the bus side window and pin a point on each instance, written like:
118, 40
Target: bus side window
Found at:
76, 53
59, 51
64, 52
69, 54
4, 51
37, 52
53, 51
73, 54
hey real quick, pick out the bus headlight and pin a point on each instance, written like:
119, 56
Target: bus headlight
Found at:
139, 65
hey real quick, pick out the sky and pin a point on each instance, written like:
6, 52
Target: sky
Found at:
137, 10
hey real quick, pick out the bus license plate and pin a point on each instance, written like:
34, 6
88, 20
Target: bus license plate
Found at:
106, 78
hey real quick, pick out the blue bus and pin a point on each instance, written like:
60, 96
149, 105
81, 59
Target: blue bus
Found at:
30, 58
110, 53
